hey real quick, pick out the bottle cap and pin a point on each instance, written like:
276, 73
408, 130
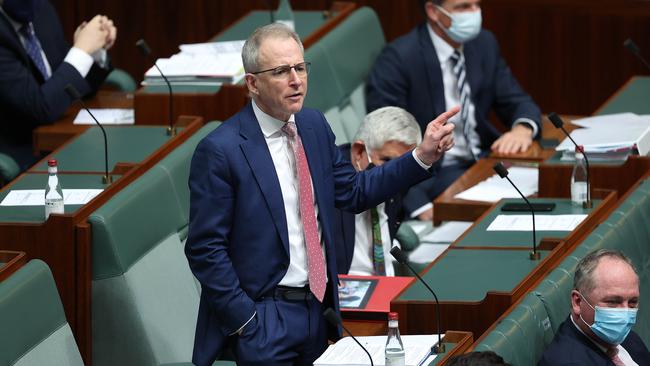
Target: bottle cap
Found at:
393, 316
580, 149
51, 162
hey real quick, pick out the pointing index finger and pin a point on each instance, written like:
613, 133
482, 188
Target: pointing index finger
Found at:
442, 119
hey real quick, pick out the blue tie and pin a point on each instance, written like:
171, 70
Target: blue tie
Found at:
33, 48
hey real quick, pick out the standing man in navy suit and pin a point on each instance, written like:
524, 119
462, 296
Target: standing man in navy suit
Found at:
446, 61
263, 188
366, 238
36, 63
604, 305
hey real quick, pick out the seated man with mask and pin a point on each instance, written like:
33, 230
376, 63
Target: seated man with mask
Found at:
451, 60
366, 238
604, 304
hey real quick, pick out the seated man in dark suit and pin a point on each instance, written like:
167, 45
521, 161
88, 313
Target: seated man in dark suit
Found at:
604, 304
446, 61
366, 238
36, 63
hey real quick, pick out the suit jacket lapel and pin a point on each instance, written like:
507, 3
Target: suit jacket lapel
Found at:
432, 68
259, 159
473, 67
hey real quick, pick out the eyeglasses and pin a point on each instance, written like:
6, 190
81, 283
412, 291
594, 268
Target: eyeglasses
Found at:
282, 72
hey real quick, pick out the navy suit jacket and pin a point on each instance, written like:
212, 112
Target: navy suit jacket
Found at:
407, 74
571, 347
345, 225
238, 246
26, 99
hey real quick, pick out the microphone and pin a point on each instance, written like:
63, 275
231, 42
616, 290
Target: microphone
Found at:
146, 51
397, 253
333, 318
634, 49
74, 94
503, 173
558, 123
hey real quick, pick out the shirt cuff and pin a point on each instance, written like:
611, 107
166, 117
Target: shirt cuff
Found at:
420, 210
530, 123
238, 331
420, 163
80, 60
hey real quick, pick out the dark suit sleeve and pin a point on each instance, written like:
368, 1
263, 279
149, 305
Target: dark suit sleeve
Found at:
212, 199
387, 82
511, 101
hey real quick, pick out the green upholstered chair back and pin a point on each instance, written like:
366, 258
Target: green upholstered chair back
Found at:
9, 169
341, 62
145, 298
120, 80
627, 229
33, 327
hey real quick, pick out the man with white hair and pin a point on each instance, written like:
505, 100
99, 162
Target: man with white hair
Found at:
604, 304
385, 134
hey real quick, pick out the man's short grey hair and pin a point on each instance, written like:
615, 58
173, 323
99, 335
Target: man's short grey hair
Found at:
583, 279
389, 124
250, 51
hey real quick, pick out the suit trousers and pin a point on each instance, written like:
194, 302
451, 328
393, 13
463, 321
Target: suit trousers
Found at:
283, 332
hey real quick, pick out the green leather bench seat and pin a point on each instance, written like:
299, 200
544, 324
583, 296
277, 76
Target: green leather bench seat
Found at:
145, 298
33, 327
626, 229
341, 62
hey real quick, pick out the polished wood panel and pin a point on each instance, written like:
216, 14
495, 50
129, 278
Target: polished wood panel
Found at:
64, 241
10, 261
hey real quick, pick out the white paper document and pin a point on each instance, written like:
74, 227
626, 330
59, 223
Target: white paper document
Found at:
36, 197
542, 222
612, 120
346, 352
495, 188
106, 116
213, 47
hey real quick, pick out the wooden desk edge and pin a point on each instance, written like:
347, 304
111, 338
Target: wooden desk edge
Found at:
13, 260
462, 340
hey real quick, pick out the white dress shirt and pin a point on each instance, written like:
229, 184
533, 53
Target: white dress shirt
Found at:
622, 353
363, 257
284, 161
79, 59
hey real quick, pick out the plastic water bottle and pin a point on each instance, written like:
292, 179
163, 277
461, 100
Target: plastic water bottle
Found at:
53, 192
284, 14
579, 179
395, 355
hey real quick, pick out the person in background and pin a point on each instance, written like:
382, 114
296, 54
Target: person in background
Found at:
446, 61
366, 238
36, 64
604, 305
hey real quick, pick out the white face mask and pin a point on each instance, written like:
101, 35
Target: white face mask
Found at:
465, 25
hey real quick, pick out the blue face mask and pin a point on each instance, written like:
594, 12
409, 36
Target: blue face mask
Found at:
21, 11
612, 325
465, 25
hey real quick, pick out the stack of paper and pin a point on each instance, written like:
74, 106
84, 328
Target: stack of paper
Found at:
609, 137
346, 352
495, 188
106, 116
200, 64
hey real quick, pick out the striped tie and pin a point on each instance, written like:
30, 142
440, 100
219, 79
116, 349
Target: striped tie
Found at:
613, 355
464, 92
377, 244
315, 260
33, 48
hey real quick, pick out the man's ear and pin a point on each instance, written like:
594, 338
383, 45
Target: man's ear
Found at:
358, 151
576, 300
251, 83
431, 11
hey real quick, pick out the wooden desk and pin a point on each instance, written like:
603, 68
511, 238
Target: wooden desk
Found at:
63, 241
10, 261
477, 281
456, 343
220, 103
49, 137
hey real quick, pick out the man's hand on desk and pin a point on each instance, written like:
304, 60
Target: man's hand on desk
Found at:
517, 140
438, 138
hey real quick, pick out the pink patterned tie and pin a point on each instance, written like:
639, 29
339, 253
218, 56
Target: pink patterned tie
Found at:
315, 260
613, 355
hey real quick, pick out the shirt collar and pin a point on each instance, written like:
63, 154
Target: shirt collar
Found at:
443, 49
268, 124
